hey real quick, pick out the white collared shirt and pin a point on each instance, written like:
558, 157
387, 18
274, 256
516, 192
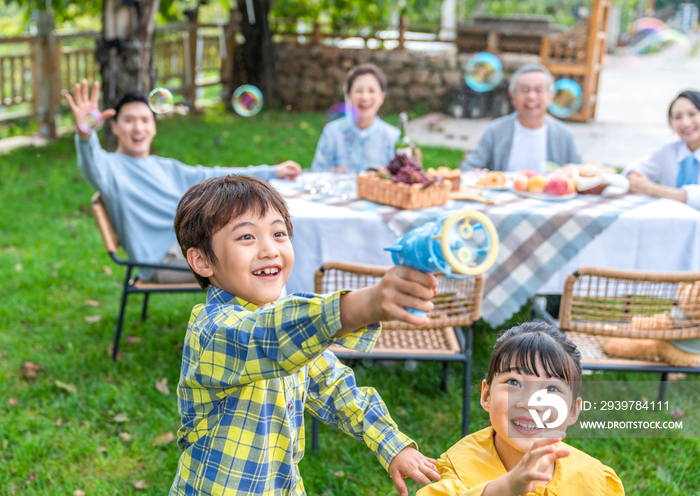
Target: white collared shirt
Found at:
663, 166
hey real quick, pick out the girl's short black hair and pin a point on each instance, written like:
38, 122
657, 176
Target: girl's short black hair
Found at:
519, 348
693, 96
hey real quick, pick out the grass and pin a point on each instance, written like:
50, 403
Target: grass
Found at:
56, 440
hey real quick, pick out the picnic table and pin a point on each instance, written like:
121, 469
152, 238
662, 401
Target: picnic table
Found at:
540, 241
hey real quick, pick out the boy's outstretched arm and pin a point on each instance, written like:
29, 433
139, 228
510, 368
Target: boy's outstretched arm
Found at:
400, 287
410, 462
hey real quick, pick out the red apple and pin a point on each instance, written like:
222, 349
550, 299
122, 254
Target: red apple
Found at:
520, 182
557, 186
537, 183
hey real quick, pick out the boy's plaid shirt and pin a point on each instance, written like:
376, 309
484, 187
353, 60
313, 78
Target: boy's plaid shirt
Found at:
247, 375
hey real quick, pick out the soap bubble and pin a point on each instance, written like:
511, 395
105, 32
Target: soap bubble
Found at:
247, 100
90, 121
160, 100
670, 40
652, 35
341, 110
568, 98
648, 24
484, 72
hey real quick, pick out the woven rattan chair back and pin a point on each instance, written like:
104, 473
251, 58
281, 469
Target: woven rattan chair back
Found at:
457, 302
446, 338
632, 304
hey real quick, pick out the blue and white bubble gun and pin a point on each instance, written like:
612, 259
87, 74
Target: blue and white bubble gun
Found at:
459, 244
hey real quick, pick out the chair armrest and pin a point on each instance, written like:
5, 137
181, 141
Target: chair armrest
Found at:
129, 263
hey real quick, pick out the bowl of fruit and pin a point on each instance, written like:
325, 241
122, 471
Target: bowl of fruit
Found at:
404, 184
544, 186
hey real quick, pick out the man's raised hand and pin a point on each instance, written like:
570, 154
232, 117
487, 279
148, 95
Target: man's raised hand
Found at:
84, 103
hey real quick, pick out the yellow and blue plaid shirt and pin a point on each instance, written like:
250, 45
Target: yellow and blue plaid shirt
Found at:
247, 375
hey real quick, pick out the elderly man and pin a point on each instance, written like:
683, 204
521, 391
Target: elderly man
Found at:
527, 138
142, 191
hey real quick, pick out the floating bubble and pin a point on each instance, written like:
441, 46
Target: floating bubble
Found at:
90, 121
663, 40
160, 100
568, 98
648, 24
341, 110
484, 72
247, 100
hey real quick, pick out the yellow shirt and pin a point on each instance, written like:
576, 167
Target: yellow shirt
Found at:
469, 465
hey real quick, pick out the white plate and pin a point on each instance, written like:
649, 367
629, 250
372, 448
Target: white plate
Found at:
545, 196
471, 179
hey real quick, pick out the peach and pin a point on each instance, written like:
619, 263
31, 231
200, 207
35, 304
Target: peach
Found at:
520, 182
537, 183
528, 173
557, 186
572, 186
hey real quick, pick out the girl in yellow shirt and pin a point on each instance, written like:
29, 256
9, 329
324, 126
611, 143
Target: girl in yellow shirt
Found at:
531, 393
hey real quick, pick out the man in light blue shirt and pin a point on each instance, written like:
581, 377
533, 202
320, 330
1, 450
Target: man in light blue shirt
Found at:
141, 191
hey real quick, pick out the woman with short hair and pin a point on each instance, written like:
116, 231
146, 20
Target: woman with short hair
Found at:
360, 140
674, 166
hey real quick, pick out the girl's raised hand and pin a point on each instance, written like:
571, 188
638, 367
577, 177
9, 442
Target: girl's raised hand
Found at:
534, 467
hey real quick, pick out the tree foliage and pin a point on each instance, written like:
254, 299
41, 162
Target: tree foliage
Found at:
357, 11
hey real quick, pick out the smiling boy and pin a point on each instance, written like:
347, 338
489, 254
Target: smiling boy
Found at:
251, 364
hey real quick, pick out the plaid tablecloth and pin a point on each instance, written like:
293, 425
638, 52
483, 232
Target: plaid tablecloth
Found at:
537, 237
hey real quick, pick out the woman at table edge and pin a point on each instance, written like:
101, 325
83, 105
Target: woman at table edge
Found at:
360, 140
674, 165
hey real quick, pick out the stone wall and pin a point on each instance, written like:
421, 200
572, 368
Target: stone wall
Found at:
311, 76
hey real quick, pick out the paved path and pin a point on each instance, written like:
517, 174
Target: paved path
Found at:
631, 118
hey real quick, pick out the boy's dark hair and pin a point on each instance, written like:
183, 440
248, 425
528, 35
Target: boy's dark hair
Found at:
208, 206
519, 348
693, 96
361, 70
132, 96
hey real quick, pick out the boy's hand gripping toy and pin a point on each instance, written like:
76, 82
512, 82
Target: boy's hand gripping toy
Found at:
459, 245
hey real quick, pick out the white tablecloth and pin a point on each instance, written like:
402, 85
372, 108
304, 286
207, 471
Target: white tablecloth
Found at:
663, 235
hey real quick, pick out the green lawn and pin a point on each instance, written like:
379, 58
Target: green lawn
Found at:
58, 437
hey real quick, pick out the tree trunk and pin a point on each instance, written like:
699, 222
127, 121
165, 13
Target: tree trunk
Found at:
255, 60
125, 51
47, 73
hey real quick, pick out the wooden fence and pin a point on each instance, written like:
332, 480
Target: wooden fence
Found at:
22, 82
196, 55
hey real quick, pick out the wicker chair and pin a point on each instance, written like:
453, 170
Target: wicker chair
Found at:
457, 306
600, 302
132, 285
